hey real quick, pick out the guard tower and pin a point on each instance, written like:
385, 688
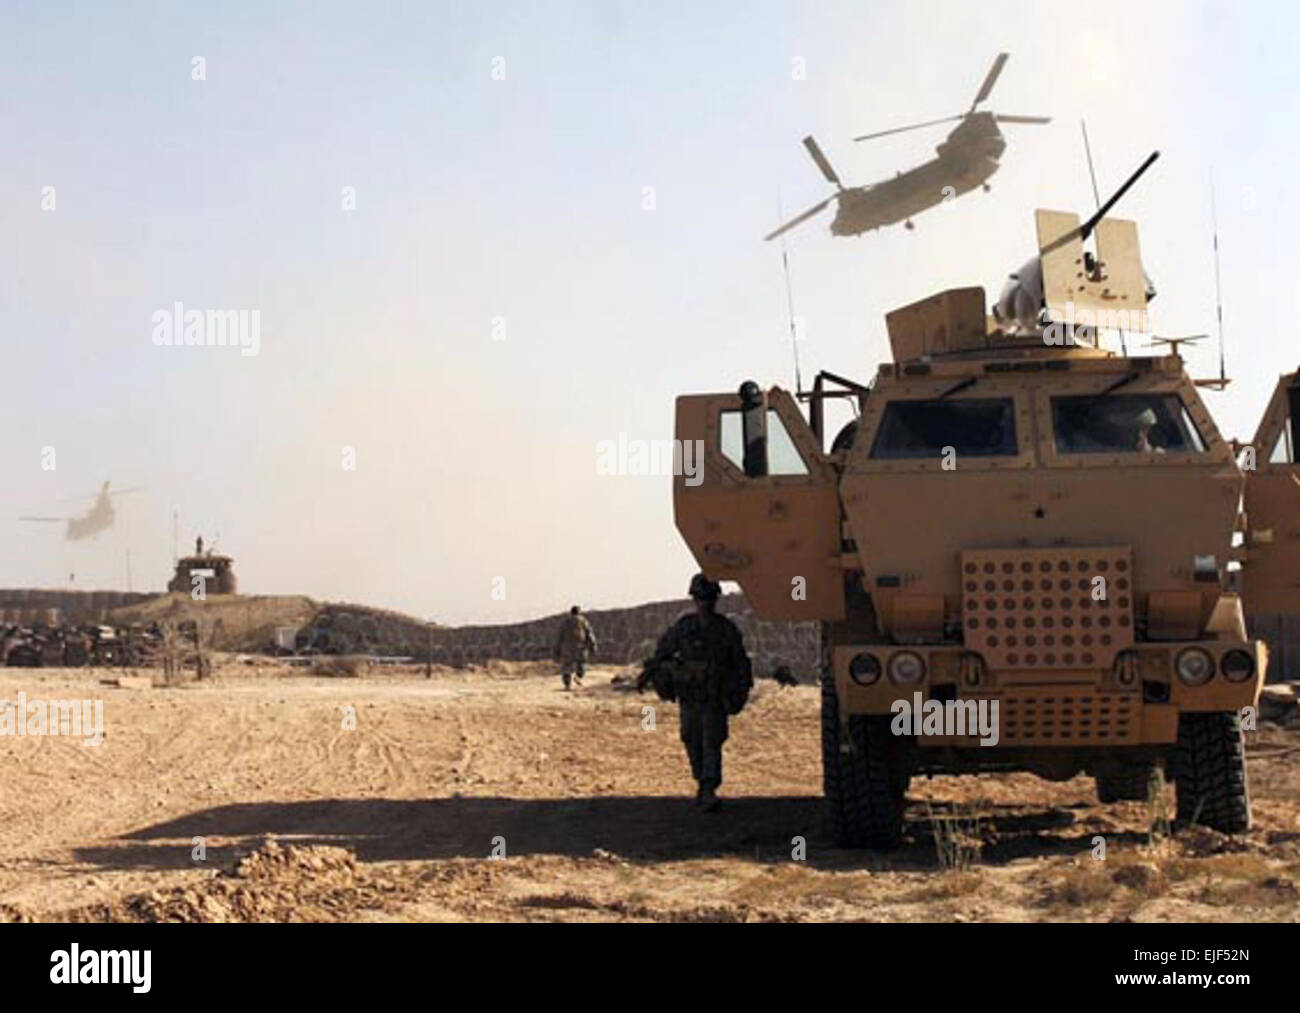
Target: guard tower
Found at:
218, 572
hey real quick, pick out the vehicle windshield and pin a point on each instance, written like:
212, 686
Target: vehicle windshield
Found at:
972, 427
1124, 423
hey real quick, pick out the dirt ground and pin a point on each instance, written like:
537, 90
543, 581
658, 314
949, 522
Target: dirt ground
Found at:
245, 798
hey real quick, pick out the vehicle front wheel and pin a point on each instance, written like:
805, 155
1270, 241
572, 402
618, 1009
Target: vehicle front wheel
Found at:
862, 777
1210, 772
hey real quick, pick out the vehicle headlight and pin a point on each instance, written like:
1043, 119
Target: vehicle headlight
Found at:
864, 669
1194, 666
1237, 666
906, 669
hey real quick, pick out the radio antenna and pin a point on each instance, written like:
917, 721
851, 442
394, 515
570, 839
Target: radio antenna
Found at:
789, 301
1096, 197
1218, 289
1087, 150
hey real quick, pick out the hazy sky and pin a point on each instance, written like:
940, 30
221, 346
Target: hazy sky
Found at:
501, 299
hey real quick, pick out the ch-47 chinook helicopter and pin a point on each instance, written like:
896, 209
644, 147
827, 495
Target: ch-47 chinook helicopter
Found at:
98, 518
966, 159
1017, 553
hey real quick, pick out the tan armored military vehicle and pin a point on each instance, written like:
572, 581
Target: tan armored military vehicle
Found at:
1018, 551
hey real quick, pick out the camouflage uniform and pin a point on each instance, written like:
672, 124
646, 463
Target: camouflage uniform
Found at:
575, 643
710, 676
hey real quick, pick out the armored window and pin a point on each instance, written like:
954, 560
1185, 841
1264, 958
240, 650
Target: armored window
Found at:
1284, 452
783, 457
1124, 423
1281, 448
971, 427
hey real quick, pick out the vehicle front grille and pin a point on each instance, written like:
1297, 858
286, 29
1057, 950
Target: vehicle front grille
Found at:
1057, 717
1048, 608
1069, 718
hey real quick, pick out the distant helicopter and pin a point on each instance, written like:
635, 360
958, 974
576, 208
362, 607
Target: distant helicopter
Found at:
96, 519
967, 158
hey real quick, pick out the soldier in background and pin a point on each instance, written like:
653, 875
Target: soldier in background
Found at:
576, 642
701, 663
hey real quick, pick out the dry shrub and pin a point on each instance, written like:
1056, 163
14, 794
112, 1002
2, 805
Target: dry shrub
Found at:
797, 884
1241, 879
948, 885
1273, 891
1240, 866
1082, 886
957, 839
1159, 814
185, 653
1144, 878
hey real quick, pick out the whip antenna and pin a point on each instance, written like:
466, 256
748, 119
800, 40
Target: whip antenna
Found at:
1087, 150
1218, 289
1096, 197
789, 302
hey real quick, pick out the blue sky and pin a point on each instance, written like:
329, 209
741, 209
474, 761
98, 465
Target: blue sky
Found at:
522, 200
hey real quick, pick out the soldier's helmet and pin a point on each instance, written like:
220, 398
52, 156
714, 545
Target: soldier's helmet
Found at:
703, 589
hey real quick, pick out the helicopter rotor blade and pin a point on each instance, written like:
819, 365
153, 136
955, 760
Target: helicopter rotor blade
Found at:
815, 209
85, 497
914, 126
822, 163
1003, 118
51, 520
990, 80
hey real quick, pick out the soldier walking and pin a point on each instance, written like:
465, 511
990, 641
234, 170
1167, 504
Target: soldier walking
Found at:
701, 663
574, 645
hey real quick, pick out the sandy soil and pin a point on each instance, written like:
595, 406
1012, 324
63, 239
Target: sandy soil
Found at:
302, 818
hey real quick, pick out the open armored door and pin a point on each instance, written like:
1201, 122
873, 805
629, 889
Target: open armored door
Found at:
1271, 568
777, 534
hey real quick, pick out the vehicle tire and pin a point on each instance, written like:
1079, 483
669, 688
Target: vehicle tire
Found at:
863, 785
1131, 782
1210, 772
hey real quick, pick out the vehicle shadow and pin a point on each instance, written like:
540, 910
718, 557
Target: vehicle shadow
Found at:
636, 828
